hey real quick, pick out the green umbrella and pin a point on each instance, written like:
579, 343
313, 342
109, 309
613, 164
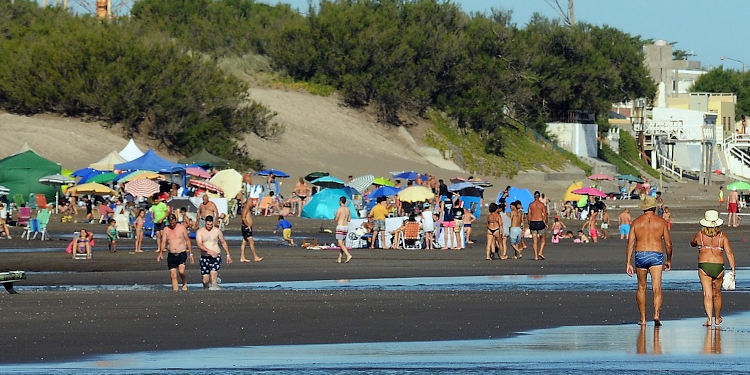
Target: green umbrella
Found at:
382, 181
738, 185
629, 177
104, 178
316, 175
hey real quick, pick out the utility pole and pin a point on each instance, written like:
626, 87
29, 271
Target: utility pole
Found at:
571, 13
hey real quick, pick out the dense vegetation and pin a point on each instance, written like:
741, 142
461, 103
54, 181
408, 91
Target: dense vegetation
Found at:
485, 73
721, 80
54, 61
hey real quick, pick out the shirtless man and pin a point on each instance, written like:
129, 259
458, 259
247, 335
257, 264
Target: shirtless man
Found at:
342, 219
733, 207
590, 223
624, 220
516, 220
247, 232
208, 239
605, 223
207, 208
649, 230
176, 241
301, 189
537, 224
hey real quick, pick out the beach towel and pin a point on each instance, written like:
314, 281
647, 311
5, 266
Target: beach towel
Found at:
69, 249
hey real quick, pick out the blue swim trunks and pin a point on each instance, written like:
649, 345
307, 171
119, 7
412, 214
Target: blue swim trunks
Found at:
624, 229
648, 259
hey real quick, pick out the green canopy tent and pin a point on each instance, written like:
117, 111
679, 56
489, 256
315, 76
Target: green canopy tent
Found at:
21, 173
204, 157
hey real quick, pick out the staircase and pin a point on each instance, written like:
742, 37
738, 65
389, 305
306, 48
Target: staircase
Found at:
736, 155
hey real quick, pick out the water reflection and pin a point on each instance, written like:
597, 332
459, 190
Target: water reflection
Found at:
712, 341
640, 347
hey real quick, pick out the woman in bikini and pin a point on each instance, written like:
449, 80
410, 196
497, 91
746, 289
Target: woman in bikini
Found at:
494, 230
82, 244
712, 245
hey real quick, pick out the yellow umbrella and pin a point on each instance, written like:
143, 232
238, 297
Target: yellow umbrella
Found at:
415, 194
570, 196
92, 188
139, 174
228, 180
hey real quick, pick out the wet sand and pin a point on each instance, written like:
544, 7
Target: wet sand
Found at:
45, 326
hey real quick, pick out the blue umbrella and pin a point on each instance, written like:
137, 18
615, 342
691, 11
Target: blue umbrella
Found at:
350, 191
88, 177
384, 191
324, 204
408, 175
517, 194
275, 172
82, 172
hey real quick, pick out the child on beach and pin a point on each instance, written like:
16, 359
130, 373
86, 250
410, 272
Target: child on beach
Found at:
468, 220
140, 220
557, 228
581, 238
112, 236
668, 217
286, 230
428, 225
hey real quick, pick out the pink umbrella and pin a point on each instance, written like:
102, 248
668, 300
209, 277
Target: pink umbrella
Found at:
601, 176
206, 185
142, 187
197, 172
589, 191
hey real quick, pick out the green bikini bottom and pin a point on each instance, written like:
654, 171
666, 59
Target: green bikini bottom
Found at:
712, 269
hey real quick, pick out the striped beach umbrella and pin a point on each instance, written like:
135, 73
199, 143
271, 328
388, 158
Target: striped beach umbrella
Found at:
361, 183
142, 187
206, 186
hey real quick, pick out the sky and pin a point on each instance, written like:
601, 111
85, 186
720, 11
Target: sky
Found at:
709, 28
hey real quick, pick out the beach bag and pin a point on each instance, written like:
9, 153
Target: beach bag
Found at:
728, 283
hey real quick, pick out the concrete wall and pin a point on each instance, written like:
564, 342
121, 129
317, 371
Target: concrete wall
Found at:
579, 139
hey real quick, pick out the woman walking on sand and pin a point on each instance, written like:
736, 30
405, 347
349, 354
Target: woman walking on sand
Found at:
712, 245
494, 231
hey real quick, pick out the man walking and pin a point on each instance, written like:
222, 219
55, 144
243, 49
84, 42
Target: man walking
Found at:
537, 225
177, 242
206, 208
648, 232
342, 218
378, 213
208, 239
733, 207
516, 220
247, 232
624, 220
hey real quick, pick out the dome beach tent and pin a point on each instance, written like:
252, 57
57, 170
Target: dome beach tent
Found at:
107, 163
131, 152
21, 173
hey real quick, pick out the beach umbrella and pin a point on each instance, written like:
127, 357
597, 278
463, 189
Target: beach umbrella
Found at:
518, 194
738, 185
460, 186
197, 172
384, 191
629, 177
324, 204
93, 188
361, 183
471, 191
328, 182
83, 172
103, 178
481, 183
275, 172
57, 180
4, 190
382, 181
601, 177
136, 175
205, 185
142, 187
415, 194
589, 191
408, 175
228, 180
569, 196
316, 175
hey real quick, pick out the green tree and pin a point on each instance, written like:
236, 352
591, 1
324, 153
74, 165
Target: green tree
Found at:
721, 80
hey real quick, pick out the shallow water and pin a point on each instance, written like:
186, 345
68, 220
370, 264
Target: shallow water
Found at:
672, 281
680, 346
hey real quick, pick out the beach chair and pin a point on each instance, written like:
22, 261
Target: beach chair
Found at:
42, 218
148, 225
122, 226
24, 216
32, 226
412, 237
41, 201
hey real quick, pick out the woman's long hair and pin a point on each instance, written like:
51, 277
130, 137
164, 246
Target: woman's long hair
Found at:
710, 231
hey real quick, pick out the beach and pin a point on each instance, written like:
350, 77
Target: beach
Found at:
125, 306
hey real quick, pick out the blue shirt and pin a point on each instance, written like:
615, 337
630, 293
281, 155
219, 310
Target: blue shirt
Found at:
284, 224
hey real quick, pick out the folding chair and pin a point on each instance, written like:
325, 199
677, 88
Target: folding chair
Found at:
122, 226
31, 226
42, 218
24, 216
412, 237
148, 225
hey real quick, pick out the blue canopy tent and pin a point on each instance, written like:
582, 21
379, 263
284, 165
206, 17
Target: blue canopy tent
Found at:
517, 194
324, 204
153, 162
468, 201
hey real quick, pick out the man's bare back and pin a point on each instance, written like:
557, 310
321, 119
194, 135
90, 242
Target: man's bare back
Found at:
649, 232
515, 218
624, 218
537, 211
733, 197
342, 217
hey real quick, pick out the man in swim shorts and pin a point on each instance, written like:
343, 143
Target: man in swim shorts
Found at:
516, 220
177, 242
733, 207
342, 218
247, 232
649, 231
537, 225
208, 239
624, 220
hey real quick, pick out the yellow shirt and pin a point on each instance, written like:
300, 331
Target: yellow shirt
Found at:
378, 212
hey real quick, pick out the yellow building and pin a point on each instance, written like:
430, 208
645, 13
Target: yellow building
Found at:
722, 104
